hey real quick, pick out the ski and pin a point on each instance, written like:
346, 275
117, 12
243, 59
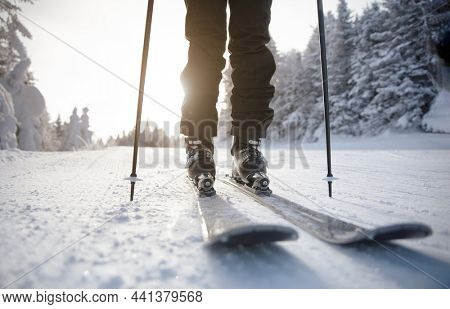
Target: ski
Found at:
222, 225
329, 228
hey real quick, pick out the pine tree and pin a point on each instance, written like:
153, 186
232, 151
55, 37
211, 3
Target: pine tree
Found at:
49, 140
289, 70
58, 133
370, 45
341, 43
86, 134
341, 52
404, 90
9, 24
74, 140
111, 142
58, 127
380, 72
307, 93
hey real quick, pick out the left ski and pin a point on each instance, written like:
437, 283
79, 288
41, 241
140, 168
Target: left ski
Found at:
329, 228
222, 225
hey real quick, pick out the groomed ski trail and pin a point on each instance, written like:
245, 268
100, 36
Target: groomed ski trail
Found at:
68, 213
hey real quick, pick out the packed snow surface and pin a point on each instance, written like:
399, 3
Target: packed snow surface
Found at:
66, 221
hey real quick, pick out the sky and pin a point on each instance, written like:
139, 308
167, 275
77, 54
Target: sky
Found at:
95, 62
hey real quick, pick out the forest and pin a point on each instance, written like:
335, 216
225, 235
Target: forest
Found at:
384, 73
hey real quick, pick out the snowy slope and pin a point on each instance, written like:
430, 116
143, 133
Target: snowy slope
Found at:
65, 220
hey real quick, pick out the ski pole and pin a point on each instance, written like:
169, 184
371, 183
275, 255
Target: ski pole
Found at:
148, 27
326, 101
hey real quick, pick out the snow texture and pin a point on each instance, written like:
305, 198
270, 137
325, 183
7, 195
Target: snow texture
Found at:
66, 222
8, 122
438, 118
29, 104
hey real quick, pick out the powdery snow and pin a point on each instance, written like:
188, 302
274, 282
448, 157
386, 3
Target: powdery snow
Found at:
65, 219
11, 155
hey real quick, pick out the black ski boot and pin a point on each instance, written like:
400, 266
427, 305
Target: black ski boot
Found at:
250, 166
200, 166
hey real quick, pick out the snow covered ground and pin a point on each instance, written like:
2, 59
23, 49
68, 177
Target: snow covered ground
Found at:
66, 222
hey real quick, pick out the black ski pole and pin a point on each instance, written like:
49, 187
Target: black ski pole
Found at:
148, 27
326, 101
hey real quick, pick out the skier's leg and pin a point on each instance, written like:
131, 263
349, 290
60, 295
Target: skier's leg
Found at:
206, 32
253, 67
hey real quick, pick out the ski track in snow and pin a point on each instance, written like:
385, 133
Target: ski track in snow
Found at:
66, 222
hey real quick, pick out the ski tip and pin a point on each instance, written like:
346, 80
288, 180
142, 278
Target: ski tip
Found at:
253, 235
401, 231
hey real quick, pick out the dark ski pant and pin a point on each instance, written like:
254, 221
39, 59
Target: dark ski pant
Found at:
252, 63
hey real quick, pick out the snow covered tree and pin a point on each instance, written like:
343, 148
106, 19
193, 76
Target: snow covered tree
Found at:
74, 140
111, 142
9, 24
380, 72
341, 40
373, 32
288, 68
306, 94
284, 103
272, 46
58, 127
403, 87
8, 122
29, 104
86, 134
49, 140
297, 103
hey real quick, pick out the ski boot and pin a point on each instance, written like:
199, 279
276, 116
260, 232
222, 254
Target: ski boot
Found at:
250, 166
200, 166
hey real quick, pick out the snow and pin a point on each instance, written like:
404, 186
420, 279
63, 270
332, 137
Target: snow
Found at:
66, 221
438, 118
29, 105
8, 122
16, 84
7, 156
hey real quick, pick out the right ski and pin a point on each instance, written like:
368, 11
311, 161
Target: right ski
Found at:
329, 228
225, 226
